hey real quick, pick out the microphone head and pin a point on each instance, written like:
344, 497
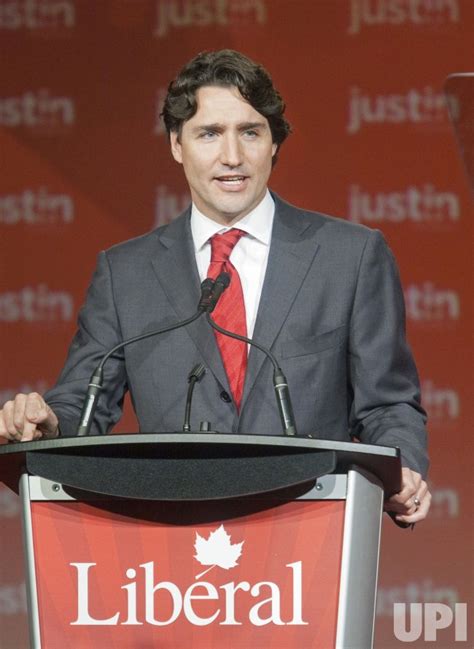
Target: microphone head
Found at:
207, 288
207, 284
220, 285
197, 372
223, 279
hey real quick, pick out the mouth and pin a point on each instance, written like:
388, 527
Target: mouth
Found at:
234, 181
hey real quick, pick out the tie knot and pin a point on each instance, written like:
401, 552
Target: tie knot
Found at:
223, 244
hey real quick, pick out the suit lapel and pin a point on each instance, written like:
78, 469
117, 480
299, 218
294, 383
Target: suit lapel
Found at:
176, 270
292, 251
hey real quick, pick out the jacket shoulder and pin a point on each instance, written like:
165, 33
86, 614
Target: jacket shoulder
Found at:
324, 225
148, 244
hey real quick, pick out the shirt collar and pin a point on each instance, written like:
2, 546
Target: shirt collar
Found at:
258, 223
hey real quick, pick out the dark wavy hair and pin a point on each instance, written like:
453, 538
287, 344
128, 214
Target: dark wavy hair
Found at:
225, 68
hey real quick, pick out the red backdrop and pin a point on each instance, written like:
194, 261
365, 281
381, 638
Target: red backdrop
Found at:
85, 164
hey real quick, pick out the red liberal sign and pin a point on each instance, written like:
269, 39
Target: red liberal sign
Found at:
263, 579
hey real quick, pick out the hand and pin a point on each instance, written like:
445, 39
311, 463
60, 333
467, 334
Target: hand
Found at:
26, 418
412, 503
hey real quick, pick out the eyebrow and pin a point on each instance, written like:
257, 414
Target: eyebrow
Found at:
243, 126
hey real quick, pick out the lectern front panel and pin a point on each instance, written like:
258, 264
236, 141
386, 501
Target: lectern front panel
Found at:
256, 572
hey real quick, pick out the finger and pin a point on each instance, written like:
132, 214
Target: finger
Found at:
419, 514
402, 499
401, 508
35, 409
411, 505
26, 431
33, 405
411, 481
12, 433
403, 496
19, 404
414, 503
422, 504
30, 432
39, 413
3, 428
419, 498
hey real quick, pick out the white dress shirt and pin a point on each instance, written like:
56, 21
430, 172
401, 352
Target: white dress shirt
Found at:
249, 256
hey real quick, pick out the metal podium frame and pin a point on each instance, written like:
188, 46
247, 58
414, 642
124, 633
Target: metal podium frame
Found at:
318, 470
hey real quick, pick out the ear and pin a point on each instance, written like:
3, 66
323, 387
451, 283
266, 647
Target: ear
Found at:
274, 149
176, 147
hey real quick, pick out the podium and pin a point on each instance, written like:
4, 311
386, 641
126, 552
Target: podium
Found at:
201, 540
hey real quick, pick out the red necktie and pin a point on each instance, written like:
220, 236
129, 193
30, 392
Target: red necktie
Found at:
230, 312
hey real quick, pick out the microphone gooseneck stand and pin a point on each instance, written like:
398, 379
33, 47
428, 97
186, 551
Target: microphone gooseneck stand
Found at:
280, 383
207, 302
195, 375
97, 379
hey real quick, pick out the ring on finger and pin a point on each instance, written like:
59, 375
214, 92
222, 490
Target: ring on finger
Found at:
416, 501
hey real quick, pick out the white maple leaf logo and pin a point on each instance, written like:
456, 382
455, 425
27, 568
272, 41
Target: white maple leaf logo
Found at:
217, 550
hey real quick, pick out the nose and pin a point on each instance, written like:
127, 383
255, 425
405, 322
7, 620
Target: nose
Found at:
231, 150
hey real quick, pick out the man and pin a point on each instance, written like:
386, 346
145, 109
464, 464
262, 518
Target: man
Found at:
327, 295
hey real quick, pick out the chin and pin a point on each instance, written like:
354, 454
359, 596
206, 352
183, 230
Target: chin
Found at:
234, 207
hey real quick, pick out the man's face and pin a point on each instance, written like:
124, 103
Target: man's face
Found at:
226, 150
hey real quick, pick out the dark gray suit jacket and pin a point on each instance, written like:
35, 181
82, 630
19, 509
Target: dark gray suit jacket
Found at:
331, 310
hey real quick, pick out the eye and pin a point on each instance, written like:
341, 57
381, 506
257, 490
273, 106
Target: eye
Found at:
207, 135
251, 133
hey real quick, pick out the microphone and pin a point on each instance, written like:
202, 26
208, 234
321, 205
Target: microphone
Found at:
280, 384
195, 375
97, 379
220, 285
206, 294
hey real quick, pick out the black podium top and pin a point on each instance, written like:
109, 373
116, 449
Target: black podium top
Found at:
192, 466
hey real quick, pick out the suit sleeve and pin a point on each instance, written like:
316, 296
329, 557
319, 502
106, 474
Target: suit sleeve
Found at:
386, 406
98, 331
